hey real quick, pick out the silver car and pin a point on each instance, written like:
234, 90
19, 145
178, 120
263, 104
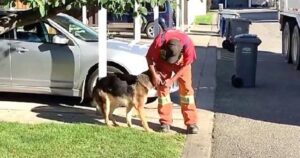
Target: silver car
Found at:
59, 56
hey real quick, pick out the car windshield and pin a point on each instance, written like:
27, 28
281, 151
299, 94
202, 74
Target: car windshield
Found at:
76, 28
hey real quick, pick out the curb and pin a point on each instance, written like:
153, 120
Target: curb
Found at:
200, 145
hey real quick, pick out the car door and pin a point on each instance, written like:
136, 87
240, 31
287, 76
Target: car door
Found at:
37, 62
5, 78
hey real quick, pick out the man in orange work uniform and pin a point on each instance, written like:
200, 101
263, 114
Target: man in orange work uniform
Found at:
173, 52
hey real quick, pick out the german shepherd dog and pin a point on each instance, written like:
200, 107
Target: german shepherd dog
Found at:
117, 90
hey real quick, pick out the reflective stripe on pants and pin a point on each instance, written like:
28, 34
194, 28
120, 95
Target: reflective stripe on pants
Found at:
164, 100
187, 101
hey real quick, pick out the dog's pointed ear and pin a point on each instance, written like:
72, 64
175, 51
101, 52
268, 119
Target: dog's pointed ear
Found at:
145, 80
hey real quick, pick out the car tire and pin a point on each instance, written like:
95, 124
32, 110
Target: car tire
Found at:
286, 42
150, 30
295, 48
92, 81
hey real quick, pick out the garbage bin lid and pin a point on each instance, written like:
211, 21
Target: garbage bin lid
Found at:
229, 12
247, 38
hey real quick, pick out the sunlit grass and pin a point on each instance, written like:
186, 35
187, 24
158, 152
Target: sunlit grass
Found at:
82, 140
204, 19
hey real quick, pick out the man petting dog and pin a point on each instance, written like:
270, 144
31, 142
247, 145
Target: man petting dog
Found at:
173, 52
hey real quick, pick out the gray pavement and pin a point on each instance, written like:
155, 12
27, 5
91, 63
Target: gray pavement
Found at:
204, 83
263, 121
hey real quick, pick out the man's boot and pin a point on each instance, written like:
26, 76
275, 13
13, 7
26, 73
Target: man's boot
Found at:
165, 128
192, 129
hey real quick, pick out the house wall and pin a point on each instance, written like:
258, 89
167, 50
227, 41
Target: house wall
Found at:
195, 7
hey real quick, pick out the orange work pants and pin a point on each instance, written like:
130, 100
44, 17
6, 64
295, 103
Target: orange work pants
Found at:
187, 101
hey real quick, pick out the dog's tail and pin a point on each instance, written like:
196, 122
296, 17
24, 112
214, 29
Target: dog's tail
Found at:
99, 99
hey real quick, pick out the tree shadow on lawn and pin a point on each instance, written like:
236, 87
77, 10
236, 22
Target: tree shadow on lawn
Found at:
274, 99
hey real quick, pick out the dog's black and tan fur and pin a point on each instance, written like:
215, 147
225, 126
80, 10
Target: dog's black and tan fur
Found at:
117, 90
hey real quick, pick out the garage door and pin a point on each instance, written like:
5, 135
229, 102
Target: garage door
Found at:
237, 3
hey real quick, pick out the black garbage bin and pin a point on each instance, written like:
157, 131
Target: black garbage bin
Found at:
245, 60
234, 27
224, 15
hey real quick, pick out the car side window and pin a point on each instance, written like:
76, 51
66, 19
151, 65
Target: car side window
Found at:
31, 33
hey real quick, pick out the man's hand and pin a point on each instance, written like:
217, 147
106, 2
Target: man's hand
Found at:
156, 80
168, 83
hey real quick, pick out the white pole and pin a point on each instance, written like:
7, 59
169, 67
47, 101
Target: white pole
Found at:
182, 15
102, 42
137, 24
178, 14
250, 3
225, 4
156, 16
188, 17
84, 15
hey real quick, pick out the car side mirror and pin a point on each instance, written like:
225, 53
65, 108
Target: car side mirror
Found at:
60, 39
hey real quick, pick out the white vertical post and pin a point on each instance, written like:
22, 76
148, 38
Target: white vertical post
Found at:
188, 17
225, 4
286, 5
102, 42
182, 15
156, 16
137, 24
178, 14
250, 3
84, 15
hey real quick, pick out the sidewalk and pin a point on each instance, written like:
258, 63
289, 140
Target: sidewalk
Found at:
199, 145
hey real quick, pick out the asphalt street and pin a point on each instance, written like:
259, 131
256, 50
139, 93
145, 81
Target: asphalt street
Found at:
263, 121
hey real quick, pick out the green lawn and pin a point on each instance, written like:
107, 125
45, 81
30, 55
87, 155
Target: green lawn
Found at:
82, 140
204, 19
